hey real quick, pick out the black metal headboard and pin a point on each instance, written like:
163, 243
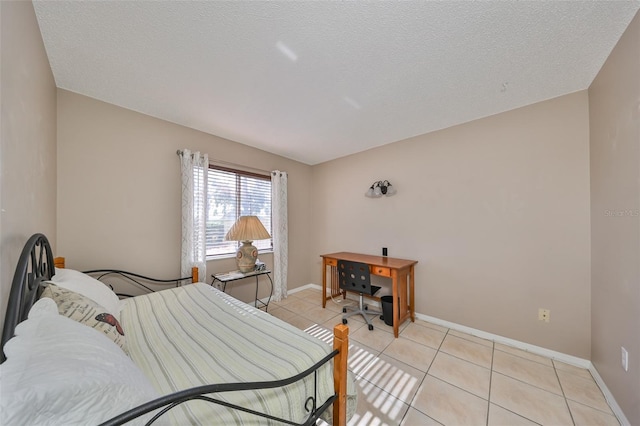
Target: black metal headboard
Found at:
34, 266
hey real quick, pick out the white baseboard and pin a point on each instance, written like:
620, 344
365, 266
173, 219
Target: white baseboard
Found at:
304, 287
292, 291
568, 359
609, 396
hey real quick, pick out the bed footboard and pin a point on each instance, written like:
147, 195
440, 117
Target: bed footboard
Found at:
341, 344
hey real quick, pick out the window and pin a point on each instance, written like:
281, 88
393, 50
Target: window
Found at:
231, 194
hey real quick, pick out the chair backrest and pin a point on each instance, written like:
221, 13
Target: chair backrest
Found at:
354, 276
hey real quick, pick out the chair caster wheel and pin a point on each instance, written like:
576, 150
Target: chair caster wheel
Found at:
344, 321
344, 310
381, 317
366, 308
370, 326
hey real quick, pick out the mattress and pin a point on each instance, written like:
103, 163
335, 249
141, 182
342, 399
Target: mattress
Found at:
194, 335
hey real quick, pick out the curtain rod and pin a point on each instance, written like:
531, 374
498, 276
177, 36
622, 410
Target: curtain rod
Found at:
233, 165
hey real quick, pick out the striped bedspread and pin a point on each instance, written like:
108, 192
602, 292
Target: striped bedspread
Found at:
194, 335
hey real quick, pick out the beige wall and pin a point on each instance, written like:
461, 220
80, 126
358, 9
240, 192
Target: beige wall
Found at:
28, 145
119, 191
496, 211
614, 109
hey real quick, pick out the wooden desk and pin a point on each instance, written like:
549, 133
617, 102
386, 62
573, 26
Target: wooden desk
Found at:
399, 270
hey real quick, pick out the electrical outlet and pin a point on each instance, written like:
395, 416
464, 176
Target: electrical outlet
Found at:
544, 315
625, 359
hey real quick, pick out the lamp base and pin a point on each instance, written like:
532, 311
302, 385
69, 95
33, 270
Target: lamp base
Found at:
246, 257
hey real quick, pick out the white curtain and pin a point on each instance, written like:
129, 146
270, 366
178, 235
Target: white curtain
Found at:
194, 169
280, 233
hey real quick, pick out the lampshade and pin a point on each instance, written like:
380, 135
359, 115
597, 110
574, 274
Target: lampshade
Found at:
247, 228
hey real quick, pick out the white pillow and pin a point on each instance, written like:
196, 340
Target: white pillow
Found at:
60, 372
43, 307
89, 287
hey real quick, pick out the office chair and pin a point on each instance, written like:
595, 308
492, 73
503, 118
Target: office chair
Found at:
355, 276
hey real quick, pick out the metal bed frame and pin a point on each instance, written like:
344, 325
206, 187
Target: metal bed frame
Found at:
36, 265
135, 280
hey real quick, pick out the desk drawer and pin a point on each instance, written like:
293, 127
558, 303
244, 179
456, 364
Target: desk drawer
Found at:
331, 262
381, 271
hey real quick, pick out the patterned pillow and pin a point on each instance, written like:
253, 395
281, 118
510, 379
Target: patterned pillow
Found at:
86, 311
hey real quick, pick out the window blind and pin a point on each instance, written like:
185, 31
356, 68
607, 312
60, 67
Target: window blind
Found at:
231, 194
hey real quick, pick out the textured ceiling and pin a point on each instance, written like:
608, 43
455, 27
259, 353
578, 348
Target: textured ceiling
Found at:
313, 81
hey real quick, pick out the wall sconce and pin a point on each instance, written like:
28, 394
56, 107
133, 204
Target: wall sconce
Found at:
380, 188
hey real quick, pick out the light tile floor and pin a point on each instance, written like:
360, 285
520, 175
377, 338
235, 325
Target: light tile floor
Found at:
432, 375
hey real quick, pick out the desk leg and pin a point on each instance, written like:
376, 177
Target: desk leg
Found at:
412, 300
396, 308
324, 283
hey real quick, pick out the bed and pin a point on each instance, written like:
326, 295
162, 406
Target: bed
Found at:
185, 355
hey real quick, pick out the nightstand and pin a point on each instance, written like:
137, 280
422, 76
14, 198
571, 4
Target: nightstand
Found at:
227, 277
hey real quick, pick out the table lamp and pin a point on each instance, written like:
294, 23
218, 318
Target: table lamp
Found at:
247, 229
